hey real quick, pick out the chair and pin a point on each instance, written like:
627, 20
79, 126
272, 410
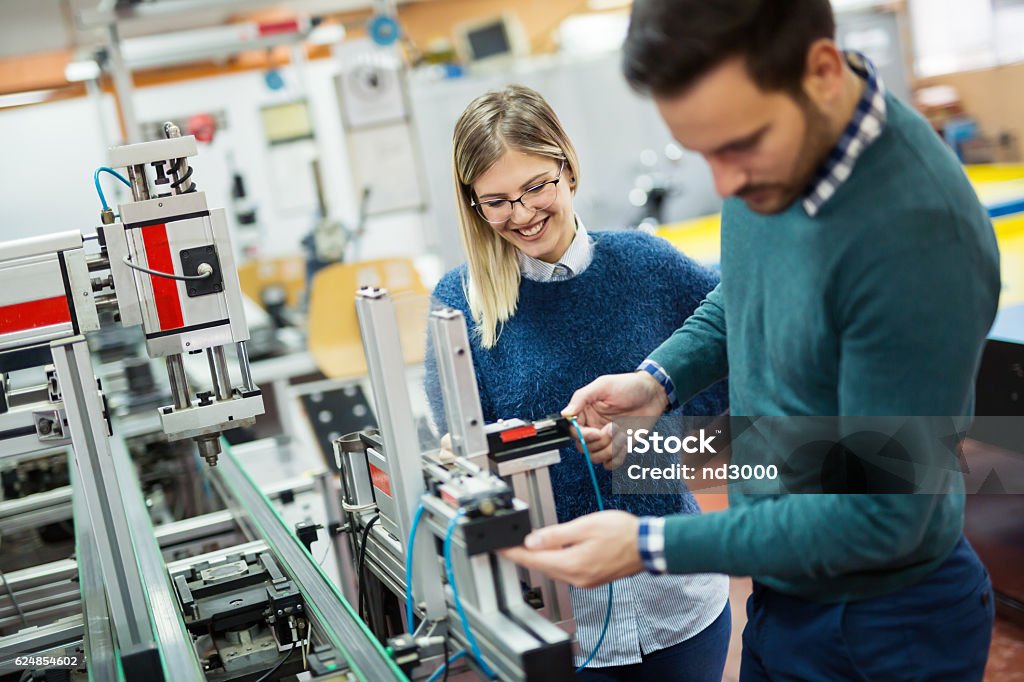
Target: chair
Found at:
286, 272
334, 339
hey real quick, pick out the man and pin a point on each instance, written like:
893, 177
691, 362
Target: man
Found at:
860, 276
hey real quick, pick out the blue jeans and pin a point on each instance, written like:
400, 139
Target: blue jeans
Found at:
698, 659
936, 630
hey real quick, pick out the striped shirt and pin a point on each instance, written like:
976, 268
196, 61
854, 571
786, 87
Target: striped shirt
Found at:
574, 261
649, 612
865, 127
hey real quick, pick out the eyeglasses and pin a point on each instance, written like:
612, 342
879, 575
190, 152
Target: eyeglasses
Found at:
534, 199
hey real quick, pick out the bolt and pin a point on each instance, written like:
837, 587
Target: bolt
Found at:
45, 426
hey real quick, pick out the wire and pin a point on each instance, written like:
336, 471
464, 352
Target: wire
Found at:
361, 563
448, 661
267, 675
183, 179
446, 666
14, 600
99, 189
327, 550
408, 566
600, 507
358, 507
473, 646
156, 273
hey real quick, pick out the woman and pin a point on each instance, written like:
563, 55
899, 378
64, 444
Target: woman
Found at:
551, 308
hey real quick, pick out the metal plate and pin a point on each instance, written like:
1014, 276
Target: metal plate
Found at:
191, 259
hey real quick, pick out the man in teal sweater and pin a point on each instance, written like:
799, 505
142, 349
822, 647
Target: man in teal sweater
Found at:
860, 276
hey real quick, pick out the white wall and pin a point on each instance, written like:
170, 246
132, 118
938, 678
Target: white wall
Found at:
51, 151
49, 155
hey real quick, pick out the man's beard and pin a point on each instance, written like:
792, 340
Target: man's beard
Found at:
816, 145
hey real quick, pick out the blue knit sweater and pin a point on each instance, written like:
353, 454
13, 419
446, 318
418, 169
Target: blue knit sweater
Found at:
636, 292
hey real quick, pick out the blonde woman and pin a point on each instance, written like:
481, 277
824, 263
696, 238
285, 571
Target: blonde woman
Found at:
551, 307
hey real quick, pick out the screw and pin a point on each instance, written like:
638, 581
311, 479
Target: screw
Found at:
45, 426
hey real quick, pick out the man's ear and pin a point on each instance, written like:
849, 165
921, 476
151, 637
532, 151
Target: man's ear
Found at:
824, 73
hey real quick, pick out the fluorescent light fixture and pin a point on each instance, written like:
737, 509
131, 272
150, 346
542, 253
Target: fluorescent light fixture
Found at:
83, 70
326, 34
19, 99
600, 5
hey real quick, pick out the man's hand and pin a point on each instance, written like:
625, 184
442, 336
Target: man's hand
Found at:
637, 395
586, 552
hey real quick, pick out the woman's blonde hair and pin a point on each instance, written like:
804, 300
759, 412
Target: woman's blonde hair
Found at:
515, 118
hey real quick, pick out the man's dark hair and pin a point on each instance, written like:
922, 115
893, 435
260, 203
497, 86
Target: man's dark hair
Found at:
673, 43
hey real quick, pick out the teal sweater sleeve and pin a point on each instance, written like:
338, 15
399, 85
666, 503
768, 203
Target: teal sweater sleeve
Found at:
909, 328
695, 355
799, 536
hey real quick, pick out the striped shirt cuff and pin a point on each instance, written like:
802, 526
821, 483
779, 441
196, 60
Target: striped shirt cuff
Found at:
651, 542
659, 373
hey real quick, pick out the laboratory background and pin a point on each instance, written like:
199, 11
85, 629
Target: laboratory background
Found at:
220, 225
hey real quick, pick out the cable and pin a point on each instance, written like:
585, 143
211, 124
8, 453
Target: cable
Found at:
446, 666
183, 179
327, 550
408, 566
600, 507
473, 646
14, 600
267, 675
99, 189
361, 563
448, 661
358, 507
156, 273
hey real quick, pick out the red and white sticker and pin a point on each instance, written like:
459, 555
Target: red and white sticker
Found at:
165, 290
380, 480
43, 312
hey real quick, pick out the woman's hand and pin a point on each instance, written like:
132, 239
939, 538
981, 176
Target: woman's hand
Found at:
601, 405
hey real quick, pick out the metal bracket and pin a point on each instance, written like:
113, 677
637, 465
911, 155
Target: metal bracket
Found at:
51, 425
191, 260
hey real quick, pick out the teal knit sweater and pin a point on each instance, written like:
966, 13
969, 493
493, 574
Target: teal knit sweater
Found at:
879, 305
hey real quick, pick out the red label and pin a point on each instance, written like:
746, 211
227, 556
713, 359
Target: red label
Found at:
518, 433
165, 290
276, 27
34, 314
380, 480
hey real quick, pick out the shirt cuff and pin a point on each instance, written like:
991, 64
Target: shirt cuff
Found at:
659, 373
651, 542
